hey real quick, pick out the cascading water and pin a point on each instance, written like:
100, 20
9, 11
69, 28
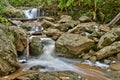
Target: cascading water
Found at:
30, 13
52, 63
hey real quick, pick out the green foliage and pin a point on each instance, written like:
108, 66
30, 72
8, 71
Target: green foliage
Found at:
4, 21
105, 10
2, 12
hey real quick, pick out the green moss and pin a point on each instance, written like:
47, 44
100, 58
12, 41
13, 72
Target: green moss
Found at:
10, 34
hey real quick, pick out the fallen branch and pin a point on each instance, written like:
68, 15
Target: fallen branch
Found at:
24, 19
115, 20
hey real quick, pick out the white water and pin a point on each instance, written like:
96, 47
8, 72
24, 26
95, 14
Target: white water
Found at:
50, 61
30, 13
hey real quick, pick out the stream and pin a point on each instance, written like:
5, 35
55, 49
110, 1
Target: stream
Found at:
50, 62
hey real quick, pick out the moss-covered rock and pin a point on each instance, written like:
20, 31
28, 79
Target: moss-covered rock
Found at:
8, 55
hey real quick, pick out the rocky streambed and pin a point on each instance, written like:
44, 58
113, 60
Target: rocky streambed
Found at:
79, 40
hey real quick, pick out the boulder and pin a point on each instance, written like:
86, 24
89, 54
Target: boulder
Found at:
73, 44
108, 50
18, 36
35, 46
115, 75
85, 27
54, 33
46, 24
62, 75
109, 37
8, 55
115, 66
66, 23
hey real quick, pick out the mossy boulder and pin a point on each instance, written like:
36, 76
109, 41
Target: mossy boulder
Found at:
8, 55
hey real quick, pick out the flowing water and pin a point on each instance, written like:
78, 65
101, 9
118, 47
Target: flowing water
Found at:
50, 62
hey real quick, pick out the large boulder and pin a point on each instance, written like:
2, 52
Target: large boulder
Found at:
109, 37
8, 55
73, 44
35, 46
115, 66
59, 75
18, 36
108, 50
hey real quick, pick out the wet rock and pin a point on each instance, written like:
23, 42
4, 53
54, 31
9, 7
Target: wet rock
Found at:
85, 27
54, 33
84, 19
62, 75
35, 46
8, 55
115, 66
109, 37
18, 36
73, 44
93, 59
108, 50
107, 61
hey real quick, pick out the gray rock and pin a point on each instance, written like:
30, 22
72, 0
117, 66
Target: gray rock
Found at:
29, 25
66, 17
73, 44
35, 46
46, 24
18, 36
85, 27
109, 37
84, 19
115, 66
8, 55
54, 33
62, 75
66, 23
108, 50
115, 75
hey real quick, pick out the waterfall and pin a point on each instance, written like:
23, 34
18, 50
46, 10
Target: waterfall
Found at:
30, 13
50, 61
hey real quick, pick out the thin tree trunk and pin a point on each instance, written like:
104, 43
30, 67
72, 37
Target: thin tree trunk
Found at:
115, 20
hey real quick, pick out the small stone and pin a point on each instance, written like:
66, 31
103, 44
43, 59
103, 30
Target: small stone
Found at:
84, 19
93, 59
